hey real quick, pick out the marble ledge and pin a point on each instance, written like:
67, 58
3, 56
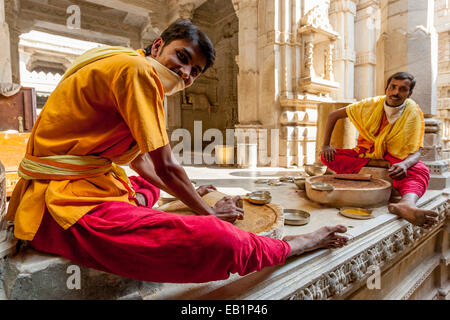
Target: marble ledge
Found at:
381, 240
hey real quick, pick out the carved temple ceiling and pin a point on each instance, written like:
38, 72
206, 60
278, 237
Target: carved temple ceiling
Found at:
116, 22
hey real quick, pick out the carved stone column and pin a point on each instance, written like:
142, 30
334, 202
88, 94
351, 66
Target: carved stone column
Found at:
342, 17
249, 124
432, 155
186, 11
12, 19
247, 12
14, 34
366, 34
410, 44
5, 52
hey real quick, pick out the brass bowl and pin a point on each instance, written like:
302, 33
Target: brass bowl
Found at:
261, 181
274, 182
295, 217
300, 183
287, 179
259, 197
315, 170
322, 186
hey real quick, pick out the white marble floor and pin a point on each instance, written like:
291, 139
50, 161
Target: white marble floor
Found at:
234, 181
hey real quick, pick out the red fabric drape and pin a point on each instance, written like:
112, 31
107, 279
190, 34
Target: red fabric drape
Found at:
150, 245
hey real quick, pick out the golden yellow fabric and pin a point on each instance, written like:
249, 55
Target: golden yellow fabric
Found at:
110, 108
401, 139
70, 167
95, 54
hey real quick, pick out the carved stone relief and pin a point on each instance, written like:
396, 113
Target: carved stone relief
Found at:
356, 269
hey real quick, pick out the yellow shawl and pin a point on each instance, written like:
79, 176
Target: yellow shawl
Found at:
94, 55
400, 139
77, 167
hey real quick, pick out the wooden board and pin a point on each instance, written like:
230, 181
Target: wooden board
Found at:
353, 176
2, 193
22, 104
13, 148
266, 220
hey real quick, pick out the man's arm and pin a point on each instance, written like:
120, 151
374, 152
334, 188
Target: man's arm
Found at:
333, 117
398, 170
143, 165
168, 175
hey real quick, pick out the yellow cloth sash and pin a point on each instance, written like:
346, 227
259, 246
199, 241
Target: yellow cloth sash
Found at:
400, 139
70, 167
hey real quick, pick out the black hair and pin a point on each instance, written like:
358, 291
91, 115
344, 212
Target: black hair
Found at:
402, 76
185, 30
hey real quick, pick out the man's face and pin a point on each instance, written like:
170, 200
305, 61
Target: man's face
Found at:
397, 92
183, 57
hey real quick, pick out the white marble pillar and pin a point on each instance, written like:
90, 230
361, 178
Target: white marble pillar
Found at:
12, 19
248, 76
366, 34
410, 44
14, 34
342, 17
5, 52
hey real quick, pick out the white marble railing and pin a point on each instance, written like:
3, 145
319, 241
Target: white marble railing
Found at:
41, 81
443, 114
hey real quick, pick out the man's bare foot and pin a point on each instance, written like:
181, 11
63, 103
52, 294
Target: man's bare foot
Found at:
324, 237
418, 217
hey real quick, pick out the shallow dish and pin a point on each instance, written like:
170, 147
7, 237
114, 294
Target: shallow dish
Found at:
286, 179
322, 186
295, 217
259, 197
300, 183
275, 182
315, 170
356, 213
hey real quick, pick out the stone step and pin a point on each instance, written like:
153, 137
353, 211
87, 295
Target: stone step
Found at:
32, 275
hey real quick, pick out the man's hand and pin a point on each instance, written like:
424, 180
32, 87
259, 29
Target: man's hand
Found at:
328, 153
202, 190
229, 209
398, 171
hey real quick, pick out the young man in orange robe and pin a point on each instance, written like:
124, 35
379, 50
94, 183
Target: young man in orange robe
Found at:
390, 127
74, 202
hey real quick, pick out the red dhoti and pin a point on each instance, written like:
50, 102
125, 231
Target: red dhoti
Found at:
415, 181
150, 245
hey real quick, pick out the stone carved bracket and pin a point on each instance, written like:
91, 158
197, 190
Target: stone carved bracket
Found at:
317, 17
337, 274
335, 282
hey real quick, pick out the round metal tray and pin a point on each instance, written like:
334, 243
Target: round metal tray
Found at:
295, 217
345, 212
259, 197
274, 182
